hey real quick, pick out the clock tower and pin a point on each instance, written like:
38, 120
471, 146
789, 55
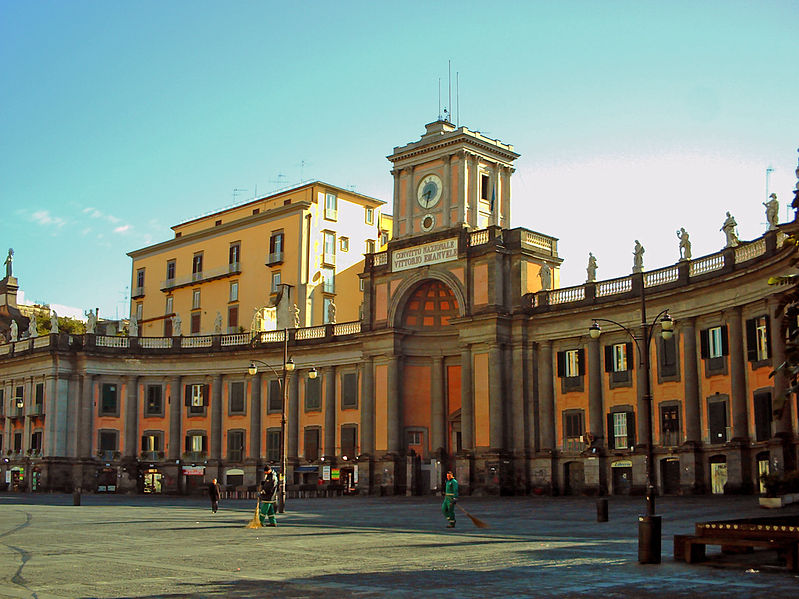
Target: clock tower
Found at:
451, 177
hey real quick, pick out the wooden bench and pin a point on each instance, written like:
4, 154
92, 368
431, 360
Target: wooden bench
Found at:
691, 548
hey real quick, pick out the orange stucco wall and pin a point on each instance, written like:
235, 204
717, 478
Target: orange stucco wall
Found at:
381, 302
381, 413
453, 389
480, 282
481, 413
416, 397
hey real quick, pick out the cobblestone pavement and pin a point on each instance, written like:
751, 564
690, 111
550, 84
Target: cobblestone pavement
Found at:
366, 548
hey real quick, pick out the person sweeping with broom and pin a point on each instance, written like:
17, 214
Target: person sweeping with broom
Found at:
268, 497
450, 499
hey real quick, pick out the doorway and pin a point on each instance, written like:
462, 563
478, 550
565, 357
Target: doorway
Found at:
622, 477
575, 478
718, 477
670, 475
153, 482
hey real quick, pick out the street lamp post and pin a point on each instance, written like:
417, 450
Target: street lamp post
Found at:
282, 377
649, 525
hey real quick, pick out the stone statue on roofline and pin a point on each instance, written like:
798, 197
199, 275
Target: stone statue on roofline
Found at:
685, 244
14, 331
638, 257
176, 325
331, 313
772, 212
33, 326
9, 262
591, 269
91, 322
729, 230
133, 326
218, 323
295, 316
53, 322
546, 276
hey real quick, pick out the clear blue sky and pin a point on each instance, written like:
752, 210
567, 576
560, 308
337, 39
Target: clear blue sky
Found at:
120, 119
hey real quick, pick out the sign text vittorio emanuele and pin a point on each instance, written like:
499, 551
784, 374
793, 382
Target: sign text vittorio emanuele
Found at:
421, 255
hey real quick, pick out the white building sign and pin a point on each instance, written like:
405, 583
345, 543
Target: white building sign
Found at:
422, 255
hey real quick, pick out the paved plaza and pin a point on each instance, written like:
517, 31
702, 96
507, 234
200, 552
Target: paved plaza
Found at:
145, 546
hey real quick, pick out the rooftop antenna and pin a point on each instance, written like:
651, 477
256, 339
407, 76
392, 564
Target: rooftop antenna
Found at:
439, 98
280, 181
457, 99
236, 192
449, 86
769, 170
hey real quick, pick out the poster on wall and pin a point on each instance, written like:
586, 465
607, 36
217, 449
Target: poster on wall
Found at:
325, 472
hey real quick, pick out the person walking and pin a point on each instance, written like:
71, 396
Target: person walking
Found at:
450, 499
268, 496
213, 495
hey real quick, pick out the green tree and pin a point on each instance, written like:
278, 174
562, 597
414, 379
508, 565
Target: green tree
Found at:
73, 326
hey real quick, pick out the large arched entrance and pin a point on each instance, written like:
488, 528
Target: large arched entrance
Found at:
430, 382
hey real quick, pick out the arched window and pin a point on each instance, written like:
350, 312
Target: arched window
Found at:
431, 306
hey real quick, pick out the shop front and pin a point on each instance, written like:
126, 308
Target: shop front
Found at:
193, 479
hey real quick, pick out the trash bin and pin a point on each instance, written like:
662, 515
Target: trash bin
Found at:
649, 539
602, 509
76, 497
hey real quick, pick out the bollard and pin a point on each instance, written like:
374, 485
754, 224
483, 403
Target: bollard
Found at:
602, 509
76, 497
649, 539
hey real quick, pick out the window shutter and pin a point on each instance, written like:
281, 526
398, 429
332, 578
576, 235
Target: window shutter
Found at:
611, 435
187, 443
703, 343
206, 396
608, 358
581, 362
631, 429
751, 340
768, 336
144, 443
628, 352
205, 443
561, 364
725, 344
187, 396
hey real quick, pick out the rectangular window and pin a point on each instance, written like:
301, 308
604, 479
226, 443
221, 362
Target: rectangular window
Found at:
232, 318
573, 427
344, 244
668, 356
415, 438
139, 311
383, 238
237, 397
313, 394
39, 400
331, 206
235, 446
328, 279
17, 442
717, 421
234, 256
140, 279
107, 440
620, 357
621, 430
326, 304
275, 281
196, 444
170, 270
196, 398
154, 405
485, 182
714, 343
329, 256
369, 215
370, 246
195, 299
758, 342
275, 397
108, 400
275, 248
670, 426
273, 445
168, 308
195, 323
151, 441
197, 266
36, 441
312, 444
168, 320
349, 390
349, 441
572, 363
763, 411
234, 292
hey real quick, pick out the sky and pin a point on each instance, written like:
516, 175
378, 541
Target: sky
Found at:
633, 119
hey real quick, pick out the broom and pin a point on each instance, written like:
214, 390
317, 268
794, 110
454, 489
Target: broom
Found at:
256, 519
475, 520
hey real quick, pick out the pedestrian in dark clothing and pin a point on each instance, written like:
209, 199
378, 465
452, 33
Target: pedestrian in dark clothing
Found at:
268, 496
213, 494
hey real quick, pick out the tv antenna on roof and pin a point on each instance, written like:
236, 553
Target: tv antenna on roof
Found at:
236, 192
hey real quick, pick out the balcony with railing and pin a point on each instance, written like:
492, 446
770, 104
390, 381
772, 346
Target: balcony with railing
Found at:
274, 258
204, 276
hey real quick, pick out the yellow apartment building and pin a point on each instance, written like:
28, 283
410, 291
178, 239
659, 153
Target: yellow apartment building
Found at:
227, 271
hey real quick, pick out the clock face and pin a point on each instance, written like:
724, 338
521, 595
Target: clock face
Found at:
429, 191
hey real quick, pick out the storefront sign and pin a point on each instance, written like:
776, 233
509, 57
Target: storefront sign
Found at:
335, 474
422, 255
622, 464
193, 470
325, 472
